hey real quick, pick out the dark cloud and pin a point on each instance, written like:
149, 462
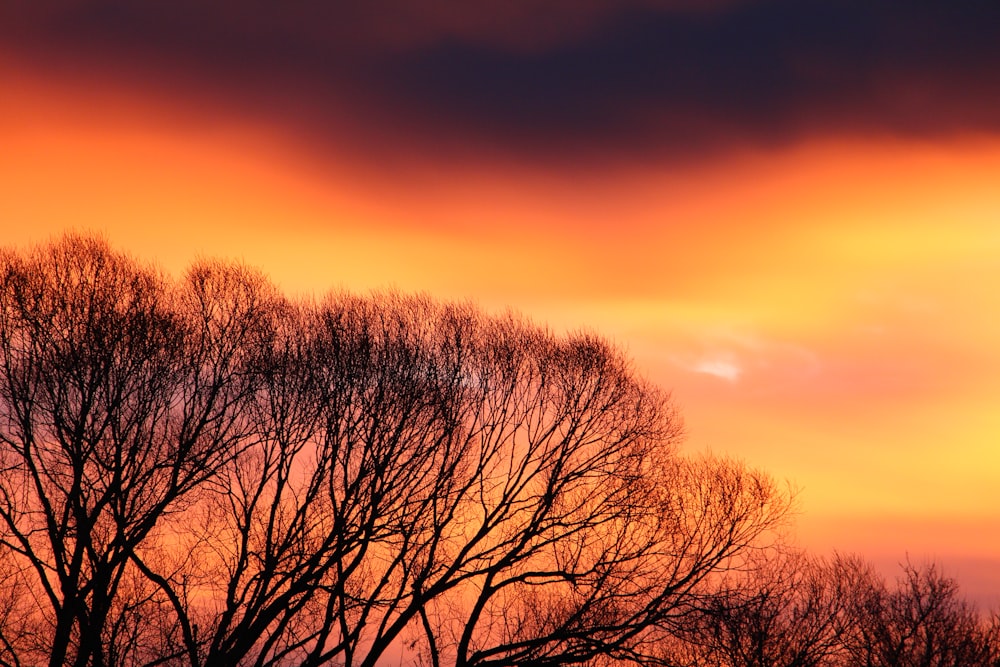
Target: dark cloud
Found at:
553, 80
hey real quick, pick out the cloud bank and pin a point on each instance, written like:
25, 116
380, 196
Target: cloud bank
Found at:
569, 82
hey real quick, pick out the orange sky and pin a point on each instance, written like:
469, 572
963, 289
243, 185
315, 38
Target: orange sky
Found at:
825, 309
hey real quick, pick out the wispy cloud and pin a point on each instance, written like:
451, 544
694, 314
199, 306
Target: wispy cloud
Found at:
721, 368
734, 355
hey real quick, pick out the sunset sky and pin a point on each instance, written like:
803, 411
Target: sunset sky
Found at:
787, 211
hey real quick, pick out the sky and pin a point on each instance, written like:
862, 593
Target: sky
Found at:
787, 211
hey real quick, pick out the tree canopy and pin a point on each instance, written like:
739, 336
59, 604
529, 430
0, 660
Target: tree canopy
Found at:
203, 471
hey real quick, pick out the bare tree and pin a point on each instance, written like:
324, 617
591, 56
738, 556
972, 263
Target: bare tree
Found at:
921, 622
118, 397
795, 610
787, 609
202, 472
427, 474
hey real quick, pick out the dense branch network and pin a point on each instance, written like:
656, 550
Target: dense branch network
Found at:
204, 472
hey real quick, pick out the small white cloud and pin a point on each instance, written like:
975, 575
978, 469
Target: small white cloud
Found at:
738, 356
721, 368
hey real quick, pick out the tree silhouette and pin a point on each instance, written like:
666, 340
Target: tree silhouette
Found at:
794, 610
788, 609
204, 472
119, 396
921, 622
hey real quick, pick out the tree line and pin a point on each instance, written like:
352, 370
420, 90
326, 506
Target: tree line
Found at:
797, 610
203, 471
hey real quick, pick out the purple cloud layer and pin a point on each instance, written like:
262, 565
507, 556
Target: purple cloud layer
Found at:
586, 81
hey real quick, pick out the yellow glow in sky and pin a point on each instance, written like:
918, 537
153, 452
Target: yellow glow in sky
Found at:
826, 311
